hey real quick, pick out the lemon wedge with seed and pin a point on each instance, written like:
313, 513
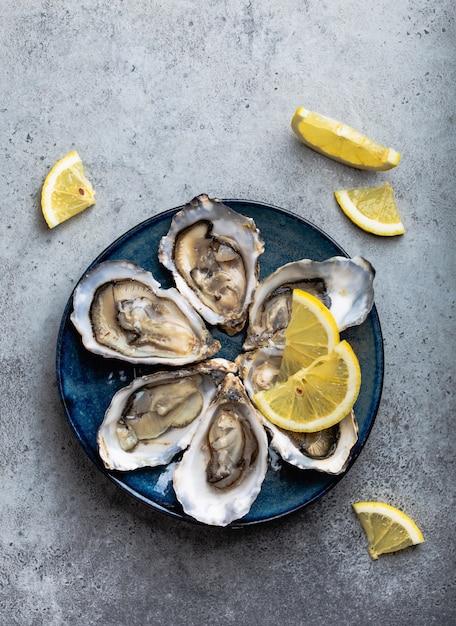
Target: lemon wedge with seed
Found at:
319, 377
66, 190
387, 529
341, 142
372, 208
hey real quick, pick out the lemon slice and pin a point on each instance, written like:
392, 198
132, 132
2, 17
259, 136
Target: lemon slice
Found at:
387, 529
311, 333
66, 190
315, 397
372, 209
342, 143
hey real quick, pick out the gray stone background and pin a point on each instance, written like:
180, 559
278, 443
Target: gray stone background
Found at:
164, 101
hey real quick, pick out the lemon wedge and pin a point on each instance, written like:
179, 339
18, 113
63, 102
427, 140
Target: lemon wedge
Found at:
372, 208
66, 190
342, 143
311, 333
315, 397
387, 529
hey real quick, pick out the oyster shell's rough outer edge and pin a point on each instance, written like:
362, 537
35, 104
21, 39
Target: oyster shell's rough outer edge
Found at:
237, 227
162, 450
123, 269
198, 499
349, 307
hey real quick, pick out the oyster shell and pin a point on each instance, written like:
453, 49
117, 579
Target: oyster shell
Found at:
148, 422
212, 252
121, 312
221, 473
327, 450
344, 285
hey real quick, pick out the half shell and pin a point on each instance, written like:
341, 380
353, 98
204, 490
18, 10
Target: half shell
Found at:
326, 451
121, 312
221, 473
344, 285
212, 252
148, 422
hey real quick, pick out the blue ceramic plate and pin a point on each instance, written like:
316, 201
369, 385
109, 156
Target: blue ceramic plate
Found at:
87, 382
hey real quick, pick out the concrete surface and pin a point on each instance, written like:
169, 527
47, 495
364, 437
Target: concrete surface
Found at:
164, 101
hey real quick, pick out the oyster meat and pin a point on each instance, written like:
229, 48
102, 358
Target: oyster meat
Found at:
121, 312
221, 472
344, 285
327, 450
155, 416
212, 252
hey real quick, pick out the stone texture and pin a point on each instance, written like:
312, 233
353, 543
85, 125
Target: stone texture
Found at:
164, 101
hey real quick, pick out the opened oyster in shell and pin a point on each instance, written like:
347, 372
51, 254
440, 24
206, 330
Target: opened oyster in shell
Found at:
344, 285
327, 450
212, 252
148, 422
122, 312
221, 472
